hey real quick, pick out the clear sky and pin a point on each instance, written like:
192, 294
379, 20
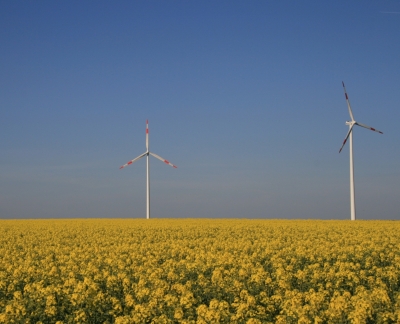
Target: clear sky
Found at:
245, 97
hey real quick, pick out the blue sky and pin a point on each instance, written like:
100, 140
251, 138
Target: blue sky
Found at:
245, 97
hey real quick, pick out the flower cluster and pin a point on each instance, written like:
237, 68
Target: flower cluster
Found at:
199, 271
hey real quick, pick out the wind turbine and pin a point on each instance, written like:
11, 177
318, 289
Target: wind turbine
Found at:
350, 136
146, 154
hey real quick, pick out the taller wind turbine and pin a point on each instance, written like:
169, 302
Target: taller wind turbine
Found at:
350, 136
146, 154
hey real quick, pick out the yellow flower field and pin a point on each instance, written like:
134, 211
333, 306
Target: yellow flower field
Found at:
199, 271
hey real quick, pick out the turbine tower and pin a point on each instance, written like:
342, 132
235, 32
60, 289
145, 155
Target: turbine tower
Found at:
147, 153
350, 136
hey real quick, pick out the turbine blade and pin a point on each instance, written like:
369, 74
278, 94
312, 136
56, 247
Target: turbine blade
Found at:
347, 136
348, 102
135, 159
164, 160
147, 135
368, 127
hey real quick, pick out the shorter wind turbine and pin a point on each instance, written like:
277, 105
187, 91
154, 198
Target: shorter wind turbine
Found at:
350, 135
147, 153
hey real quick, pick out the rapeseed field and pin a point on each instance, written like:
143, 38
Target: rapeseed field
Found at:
199, 271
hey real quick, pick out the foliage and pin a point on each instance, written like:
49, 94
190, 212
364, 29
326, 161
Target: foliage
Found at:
199, 271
